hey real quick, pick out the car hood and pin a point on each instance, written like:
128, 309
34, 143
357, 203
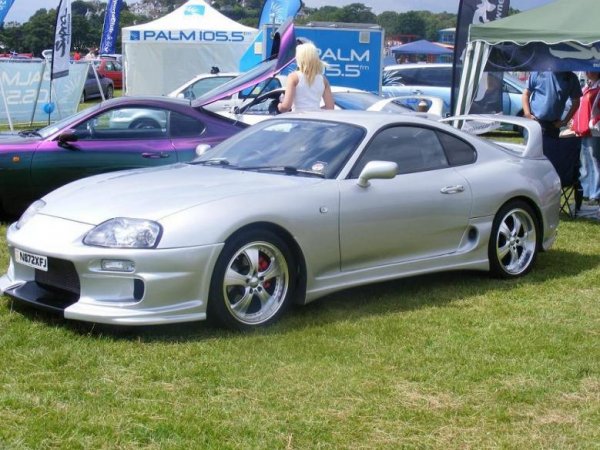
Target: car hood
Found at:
282, 54
158, 192
14, 138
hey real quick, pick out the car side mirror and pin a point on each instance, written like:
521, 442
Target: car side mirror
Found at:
201, 149
377, 170
66, 137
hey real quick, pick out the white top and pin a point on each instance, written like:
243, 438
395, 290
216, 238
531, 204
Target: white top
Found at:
308, 98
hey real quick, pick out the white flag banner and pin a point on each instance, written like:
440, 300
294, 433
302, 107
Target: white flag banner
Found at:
61, 52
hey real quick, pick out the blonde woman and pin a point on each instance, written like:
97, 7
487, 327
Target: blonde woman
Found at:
307, 86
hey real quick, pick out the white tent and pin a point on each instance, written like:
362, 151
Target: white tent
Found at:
161, 55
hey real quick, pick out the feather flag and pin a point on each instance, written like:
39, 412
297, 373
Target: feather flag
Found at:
111, 27
4, 8
62, 41
276, 12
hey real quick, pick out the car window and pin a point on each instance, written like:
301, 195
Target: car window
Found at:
262, 105
109, 66
181, 125
204, 85
316, 146
458, 151
125, 123
260, 88
435, 76
414, 149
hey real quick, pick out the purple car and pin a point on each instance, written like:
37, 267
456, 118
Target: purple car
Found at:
122, 133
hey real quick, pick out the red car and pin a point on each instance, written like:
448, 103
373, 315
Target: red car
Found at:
111, 68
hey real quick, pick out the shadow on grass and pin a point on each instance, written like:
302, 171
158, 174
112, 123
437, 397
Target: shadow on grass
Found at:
433, 290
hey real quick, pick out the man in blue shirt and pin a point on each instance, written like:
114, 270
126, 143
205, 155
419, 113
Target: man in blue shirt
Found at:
545, 99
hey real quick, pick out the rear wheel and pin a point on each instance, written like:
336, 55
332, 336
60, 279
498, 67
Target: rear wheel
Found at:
252, 282
513, 244
110, 92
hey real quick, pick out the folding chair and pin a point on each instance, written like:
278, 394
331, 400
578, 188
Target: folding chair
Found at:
564, 153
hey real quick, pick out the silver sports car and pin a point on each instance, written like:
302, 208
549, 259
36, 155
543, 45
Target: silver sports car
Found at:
289, 210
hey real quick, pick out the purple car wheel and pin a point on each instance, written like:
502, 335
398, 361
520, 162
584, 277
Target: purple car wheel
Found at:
252, 282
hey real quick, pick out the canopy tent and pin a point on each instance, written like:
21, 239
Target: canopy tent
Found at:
421, 47
560, 36
161, 55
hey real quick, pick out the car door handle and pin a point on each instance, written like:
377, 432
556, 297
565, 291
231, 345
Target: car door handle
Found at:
452, 189
156, 155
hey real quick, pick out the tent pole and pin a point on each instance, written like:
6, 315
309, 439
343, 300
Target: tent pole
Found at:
10, 124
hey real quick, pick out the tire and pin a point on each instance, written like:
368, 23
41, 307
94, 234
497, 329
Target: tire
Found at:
83, 98
514, 242
253, 281
144, 123
110, 92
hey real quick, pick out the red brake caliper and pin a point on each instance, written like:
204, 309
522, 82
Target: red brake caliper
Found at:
263, 264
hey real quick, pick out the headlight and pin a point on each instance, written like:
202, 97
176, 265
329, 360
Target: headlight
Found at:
122, 232
29, 213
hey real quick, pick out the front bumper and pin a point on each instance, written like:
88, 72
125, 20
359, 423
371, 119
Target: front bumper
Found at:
165, 286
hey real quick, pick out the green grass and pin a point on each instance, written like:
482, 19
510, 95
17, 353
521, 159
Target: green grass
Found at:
453, 360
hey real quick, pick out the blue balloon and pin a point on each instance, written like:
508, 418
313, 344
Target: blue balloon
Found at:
49, 107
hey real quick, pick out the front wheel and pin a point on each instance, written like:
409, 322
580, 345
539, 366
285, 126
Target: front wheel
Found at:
513, 244
252, 282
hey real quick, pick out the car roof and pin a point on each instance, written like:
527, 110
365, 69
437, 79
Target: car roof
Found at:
147, 99
368, 119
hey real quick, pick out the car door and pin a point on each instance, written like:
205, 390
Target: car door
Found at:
421, 213
124, 137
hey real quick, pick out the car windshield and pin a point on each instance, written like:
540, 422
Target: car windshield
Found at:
300, 146
363, 101
64, 124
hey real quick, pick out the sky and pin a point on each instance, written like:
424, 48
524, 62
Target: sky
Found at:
23, 9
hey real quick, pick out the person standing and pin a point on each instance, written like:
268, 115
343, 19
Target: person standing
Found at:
589, 171
545, 99
307, 86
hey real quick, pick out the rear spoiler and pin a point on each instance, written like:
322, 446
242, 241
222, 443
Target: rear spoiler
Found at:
533, 147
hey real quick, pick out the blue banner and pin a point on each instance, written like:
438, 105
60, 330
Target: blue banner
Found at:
26, 89
276, 12
4, 7
353, 56
110, 30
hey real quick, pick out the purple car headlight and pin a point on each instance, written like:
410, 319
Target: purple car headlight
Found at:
122, 232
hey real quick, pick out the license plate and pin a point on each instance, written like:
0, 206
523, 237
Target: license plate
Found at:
31, 260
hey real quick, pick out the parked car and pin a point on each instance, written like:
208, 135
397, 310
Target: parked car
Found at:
433, 74
110, 68
91, 89
289, 210
127, 132
512, 90
265, 105
435, 80
203, 83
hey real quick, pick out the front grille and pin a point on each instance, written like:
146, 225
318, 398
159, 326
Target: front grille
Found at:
61, 276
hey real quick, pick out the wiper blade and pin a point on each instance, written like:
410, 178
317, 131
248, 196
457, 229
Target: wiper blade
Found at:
213, 162
29, 133
289, 170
